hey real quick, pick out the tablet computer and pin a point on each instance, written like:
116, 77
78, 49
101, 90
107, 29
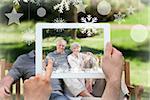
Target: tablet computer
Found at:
44, 41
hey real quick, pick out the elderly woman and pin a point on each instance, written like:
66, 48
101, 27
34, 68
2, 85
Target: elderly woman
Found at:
77, 87
76, 59
80, 61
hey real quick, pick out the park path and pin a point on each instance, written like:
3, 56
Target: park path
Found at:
125, 26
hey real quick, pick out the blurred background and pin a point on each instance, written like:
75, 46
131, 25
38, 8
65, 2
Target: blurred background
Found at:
129, 19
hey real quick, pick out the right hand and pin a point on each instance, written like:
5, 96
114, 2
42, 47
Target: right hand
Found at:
5, 85
4, 93
112, 60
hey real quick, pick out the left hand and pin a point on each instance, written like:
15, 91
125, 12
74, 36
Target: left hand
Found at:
39, 87
89, 87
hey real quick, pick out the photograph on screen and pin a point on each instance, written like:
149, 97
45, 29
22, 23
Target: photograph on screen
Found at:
75, 52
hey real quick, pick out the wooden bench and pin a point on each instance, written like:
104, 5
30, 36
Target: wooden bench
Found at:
134, 90
6, 66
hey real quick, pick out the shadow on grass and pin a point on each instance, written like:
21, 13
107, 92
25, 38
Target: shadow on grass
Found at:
142, 55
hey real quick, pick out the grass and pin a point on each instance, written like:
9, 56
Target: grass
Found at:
141, 17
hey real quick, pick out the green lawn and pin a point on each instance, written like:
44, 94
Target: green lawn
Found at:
139, 17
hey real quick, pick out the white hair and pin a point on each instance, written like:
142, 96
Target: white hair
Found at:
74, 45
62, 41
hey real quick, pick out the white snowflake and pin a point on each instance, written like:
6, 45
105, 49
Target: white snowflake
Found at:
28, 36
89, 31
64, 5
59, 20
131, 10
37, 2
119, 18
80, 7
16, 2
75, 2
89, 19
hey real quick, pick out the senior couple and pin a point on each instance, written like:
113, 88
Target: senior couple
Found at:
24, 67
75, 61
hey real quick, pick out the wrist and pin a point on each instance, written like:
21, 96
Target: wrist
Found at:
115, 77
114, 83
7, 82
85, 93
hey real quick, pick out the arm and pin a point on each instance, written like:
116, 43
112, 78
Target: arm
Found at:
13, 75
112, 90
112, 65
89, 85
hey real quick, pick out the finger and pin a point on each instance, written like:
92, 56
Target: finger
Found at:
26, 81
108, 49
31, 78
116, 52
7, 92
49, 69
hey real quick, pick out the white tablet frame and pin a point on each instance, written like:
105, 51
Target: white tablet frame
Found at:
41, 26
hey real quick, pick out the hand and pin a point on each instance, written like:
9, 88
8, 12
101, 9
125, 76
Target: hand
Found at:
4, 93
112, 63
89, 85
5, 85
39, 87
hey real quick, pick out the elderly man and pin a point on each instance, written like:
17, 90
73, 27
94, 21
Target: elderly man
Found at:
23, 67
59, 58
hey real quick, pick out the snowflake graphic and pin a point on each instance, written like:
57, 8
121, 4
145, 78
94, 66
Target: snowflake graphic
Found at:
89, 31
89, 19
16, 2
59, 20
131, 10
28, 36
64, 5
37, 2
119, 18
76, 2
